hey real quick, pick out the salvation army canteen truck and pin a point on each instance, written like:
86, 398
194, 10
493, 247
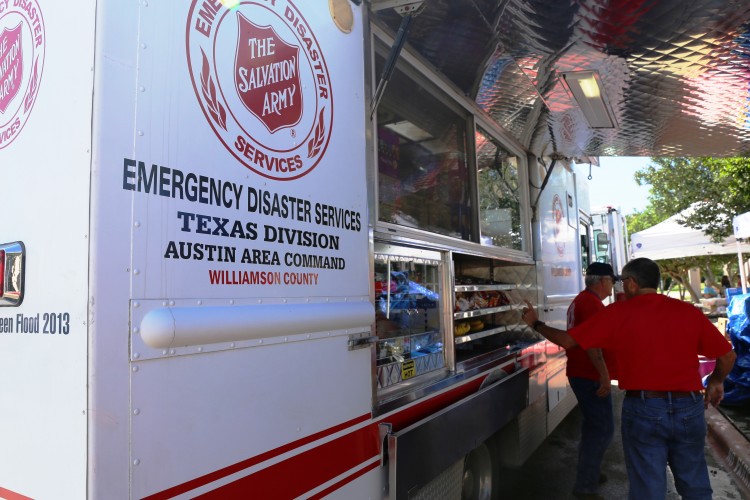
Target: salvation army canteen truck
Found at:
238, 263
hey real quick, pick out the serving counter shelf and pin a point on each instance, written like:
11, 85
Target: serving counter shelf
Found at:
490, 288
493, 330
481, 334
486, 311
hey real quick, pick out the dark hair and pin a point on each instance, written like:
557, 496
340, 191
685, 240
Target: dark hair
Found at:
643, 271
725, 282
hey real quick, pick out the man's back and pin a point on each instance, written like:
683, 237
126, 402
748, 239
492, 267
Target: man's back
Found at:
657, 340
585, 306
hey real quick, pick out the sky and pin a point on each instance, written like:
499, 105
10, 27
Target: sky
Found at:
613, 184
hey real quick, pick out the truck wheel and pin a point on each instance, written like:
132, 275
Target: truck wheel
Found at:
481, 475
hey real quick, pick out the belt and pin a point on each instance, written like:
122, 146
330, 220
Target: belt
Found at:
661, 394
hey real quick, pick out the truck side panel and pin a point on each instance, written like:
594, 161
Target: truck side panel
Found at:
230, 173
199, 414
44, 173
117, 55
558, 244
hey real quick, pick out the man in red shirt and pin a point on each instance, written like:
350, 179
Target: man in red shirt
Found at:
657, 340
589, 373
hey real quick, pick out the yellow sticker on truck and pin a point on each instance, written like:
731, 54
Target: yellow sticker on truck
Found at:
408, 369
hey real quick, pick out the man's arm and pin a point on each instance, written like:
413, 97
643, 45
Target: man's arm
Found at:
715, 386
559, 337
597, 359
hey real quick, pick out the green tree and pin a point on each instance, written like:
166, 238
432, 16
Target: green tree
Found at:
716, 187
639, 221
717, 191
711, 267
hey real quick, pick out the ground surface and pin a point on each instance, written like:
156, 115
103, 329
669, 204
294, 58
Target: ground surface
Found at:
550, 472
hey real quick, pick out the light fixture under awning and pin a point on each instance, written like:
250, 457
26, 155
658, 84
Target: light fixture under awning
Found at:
588, 93
409, 131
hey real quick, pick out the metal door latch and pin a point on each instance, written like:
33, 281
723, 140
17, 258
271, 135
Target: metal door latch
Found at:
361, 342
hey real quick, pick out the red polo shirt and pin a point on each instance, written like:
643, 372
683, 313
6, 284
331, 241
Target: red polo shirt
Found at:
584, 306
657, 340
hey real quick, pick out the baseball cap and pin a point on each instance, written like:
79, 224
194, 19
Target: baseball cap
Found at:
601, 269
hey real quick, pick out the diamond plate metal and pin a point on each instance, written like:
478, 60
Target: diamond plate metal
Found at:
391, 373
676, 73
447, 486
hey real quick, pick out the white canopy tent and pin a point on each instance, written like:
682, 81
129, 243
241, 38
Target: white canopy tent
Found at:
672, 240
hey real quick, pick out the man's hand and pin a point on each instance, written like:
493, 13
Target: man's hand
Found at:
714, 393
605, 387
715, 387
559, 337
528, 314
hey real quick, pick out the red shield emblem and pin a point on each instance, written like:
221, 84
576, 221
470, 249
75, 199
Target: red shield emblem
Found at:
267, 75
11, 65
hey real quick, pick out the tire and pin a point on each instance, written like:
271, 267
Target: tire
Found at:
481, 480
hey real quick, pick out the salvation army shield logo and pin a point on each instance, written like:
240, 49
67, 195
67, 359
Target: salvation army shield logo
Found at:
261, 79
267, 75
22, 44
11, 66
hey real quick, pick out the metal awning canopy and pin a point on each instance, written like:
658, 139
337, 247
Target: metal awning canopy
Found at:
675, 73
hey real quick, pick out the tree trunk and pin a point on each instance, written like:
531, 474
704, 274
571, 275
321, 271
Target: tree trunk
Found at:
693, 296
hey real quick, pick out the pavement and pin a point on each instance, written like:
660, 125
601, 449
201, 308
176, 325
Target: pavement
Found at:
550, 471
730, 445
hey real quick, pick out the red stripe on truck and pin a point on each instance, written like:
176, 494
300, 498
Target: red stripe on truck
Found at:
346, 480
12, 495
309, 469
226, 471
301, 473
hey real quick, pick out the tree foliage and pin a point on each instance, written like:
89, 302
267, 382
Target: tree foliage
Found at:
711, 267
717, 190
715, 187
644, 220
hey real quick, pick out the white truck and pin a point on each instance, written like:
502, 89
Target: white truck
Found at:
223, 277
610, 237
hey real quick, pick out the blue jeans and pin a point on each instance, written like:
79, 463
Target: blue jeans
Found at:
597, 430
660, 432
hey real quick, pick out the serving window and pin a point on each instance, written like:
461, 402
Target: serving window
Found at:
438, 171
423, 173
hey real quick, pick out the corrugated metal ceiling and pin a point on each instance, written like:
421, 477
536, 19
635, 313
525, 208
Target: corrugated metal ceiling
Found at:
675, 72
